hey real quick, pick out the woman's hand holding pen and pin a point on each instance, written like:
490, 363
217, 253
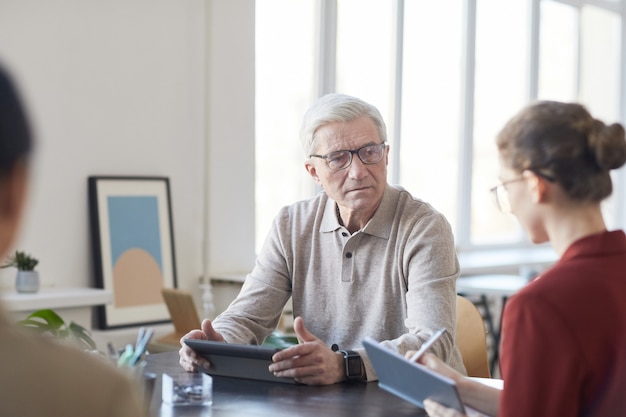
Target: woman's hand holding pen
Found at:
432, 362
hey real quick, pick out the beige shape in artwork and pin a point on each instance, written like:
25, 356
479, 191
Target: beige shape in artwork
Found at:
137, 280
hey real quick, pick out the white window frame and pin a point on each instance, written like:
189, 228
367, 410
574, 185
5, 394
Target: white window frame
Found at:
474, 258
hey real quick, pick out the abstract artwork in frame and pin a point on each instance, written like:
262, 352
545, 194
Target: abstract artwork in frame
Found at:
133, 247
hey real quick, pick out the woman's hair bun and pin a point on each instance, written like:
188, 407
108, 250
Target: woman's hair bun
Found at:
609, 145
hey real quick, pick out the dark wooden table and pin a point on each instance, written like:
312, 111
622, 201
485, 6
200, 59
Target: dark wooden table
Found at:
235, 397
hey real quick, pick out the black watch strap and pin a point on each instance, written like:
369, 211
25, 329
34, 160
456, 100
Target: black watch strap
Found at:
352, 364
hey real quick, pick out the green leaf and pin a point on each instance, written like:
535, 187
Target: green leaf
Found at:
49, 317
82, 336
47, 321
36, 326
21, 261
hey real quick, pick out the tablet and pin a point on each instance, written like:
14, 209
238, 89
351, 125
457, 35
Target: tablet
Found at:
237, 360
411, 381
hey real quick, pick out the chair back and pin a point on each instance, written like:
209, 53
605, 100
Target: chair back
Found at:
471, 338
183, 313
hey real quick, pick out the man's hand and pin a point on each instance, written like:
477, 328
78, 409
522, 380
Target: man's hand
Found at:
189, 360
310, 362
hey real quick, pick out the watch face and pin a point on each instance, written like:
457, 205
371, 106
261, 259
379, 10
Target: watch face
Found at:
354, 365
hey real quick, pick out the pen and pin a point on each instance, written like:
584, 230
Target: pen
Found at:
140, 335
126, 356
113, 355
141, 346
427, 344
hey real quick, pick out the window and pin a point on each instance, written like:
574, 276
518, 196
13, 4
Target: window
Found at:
586, 40
431, 103
285, 87
446, 76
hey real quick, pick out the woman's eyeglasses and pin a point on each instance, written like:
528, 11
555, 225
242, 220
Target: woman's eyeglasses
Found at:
501, 194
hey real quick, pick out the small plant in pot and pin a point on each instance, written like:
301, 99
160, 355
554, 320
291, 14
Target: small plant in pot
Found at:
27, 279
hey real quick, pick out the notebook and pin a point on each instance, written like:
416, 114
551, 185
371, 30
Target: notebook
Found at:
237, 360
409, 380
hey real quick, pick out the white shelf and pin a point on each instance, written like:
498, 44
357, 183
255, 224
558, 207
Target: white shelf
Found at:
55, 298
236, 277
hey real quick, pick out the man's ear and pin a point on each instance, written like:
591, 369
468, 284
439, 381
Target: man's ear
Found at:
387, 155
310, 168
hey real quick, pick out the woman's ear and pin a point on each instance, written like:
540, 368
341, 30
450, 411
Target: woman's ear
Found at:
538, 186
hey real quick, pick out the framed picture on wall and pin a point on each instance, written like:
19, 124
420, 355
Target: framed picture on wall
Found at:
133, 247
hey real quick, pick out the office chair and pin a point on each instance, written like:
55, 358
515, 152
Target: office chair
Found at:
183, 313
471, 337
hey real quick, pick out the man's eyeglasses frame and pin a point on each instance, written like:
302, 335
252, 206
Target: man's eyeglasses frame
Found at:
329, 157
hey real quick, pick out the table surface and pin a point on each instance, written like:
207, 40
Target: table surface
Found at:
235, 397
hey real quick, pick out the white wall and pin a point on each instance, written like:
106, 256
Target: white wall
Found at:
230, 38
137, 87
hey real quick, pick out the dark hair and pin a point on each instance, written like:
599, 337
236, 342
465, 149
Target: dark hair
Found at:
562, 141
15, 135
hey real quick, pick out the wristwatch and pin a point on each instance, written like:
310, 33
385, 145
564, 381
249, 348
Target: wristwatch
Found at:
352, 362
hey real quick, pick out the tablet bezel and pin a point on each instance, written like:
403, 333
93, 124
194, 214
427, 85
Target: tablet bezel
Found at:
237, 360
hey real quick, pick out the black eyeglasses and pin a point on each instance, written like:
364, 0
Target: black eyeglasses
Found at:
368, 154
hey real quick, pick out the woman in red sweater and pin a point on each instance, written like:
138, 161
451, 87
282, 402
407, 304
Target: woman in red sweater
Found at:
564, 334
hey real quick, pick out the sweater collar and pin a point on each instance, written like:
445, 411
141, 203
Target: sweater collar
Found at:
379, 225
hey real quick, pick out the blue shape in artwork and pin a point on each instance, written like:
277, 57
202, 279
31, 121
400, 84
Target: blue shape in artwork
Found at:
134, 223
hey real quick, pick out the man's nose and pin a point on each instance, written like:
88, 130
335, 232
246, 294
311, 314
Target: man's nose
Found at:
357, 168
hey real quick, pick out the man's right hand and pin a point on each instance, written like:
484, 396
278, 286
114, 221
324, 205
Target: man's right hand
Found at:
189, 359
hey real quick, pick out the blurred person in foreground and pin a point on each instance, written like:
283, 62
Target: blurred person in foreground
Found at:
564, 334
39, 376
362, 258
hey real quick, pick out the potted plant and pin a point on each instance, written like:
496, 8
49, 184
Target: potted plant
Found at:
47, 322
27, 279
